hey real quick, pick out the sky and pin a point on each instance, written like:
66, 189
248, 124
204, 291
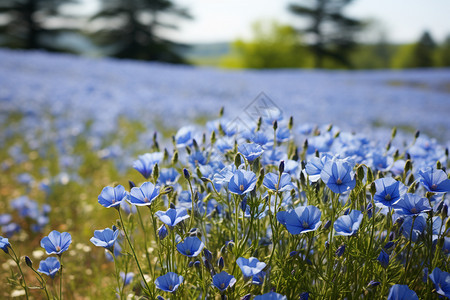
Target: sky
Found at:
402, 21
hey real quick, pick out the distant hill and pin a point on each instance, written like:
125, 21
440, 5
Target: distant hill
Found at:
208, 54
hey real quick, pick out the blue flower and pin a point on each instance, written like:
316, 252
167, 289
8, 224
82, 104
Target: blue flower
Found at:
300, 220
338, 175
412, 205
250, 266
169, 282
435, 180
250, 151
401, 292
315, 165
172, 217
145, 163
105, 238
126, 278
389, 191
271, 182
56, 242
223, 280
49, 267
4, 244
348, 224
191, 246
420, 224
258, 279
242, 182
270, 296
143, 195
441, 282
112, 197
383, 259
168, 176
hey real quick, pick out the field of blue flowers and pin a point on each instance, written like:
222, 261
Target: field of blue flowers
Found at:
135, 180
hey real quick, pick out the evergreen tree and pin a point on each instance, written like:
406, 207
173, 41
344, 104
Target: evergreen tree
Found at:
26, 23
331, 33
135, 33
423, 52
444, 53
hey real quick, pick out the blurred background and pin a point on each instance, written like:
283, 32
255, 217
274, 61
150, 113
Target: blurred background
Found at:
331, 34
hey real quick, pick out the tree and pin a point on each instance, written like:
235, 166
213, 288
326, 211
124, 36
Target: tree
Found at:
418, 55
273, 46
136, 30
26, 23
444, 53
331, 34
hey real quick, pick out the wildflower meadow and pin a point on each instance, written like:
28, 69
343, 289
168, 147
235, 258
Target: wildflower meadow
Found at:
104, 195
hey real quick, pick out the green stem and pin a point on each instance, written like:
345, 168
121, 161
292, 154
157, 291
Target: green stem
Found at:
60, 276
117, 275
17, 260
132, 250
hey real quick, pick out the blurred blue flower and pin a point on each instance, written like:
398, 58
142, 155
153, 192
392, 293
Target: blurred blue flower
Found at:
126, 278
143, 195
435, 180
162, 232
198, 158
242, 182
338, 175
300, 220
169, 282
270, 296
172, 217
191, 246
401, 292
56, 242
112, 197
348, 224
389, 191
250, 151
168, 176
271, 182
441, 282
383, 259
49, 266
4, 244
412, 204
223, 280
250, 266
446, 245
145, 163
5, 219
105, 238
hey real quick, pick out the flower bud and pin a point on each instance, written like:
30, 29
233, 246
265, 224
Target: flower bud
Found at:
175, 157
374, 283
220, 263
275, 125
360, 172
340, 251
304, 296
417, 134
162, 232
291, 123
389, 245
247, 297
160, 298
28, 262
327, 225
186, 174
281, 167
237, 160
197, 264
293, 253
207, 254
131, 184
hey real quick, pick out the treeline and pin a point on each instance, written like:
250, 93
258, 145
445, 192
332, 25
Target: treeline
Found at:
280, 46
119, 28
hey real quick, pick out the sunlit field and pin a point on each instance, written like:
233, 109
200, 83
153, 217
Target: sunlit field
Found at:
129, 180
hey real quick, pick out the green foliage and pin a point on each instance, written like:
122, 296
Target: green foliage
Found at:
273, 45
